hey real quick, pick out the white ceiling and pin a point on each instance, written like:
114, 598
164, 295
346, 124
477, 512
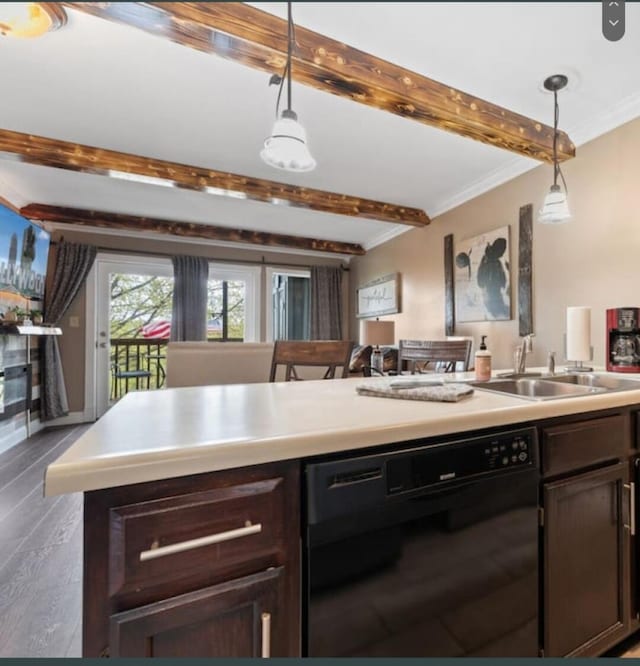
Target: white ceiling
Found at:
112, 86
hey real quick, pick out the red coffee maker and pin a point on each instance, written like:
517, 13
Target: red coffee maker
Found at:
623, 339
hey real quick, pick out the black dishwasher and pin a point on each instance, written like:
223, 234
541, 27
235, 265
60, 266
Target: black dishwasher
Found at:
427, 550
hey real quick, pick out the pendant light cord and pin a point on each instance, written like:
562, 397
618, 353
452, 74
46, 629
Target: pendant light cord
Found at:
286, 74
556, 117
556, 163
289, 52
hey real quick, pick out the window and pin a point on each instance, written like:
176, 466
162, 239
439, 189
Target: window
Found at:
232, 312
138, 303
288, 317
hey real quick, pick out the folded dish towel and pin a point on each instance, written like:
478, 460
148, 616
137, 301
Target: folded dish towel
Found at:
415, 389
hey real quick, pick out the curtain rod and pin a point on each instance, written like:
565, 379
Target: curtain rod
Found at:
251, 262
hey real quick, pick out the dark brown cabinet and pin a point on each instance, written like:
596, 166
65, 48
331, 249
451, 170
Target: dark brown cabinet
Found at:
239, 618
199, 566
586, 544
569, 447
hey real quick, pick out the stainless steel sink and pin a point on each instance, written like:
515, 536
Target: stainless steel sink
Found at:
537, 389
552, 387
601, 381
519, 375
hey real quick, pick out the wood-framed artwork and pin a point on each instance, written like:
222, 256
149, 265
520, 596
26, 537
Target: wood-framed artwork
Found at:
483, 277
379, 297
525, 270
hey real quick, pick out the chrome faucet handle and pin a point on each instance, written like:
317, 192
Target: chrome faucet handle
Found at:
551, 363
520, 360
527, 342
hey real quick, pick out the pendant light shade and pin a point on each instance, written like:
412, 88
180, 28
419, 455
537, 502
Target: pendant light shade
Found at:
286, 148
555, 209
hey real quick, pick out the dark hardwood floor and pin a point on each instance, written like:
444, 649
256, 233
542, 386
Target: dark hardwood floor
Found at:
40, 553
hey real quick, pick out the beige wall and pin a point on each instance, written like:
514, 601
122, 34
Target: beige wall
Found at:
72, 342
593, 260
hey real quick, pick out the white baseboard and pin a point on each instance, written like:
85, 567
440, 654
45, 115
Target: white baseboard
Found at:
19, 435
72, 418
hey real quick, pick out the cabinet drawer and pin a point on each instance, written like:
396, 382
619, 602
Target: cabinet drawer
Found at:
238, 618
210, 533
572, 446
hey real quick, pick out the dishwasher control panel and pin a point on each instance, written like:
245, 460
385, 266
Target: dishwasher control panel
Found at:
461, 460
510, 451
418, 467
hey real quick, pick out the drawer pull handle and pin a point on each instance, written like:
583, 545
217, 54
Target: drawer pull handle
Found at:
180, 547
632, 507
266, 635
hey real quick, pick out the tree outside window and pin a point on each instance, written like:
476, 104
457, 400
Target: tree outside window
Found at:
226, 316
137, 301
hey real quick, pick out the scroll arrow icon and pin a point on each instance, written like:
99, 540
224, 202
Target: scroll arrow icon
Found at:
614, 23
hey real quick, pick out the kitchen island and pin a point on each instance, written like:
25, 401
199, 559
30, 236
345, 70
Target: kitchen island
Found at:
192, 507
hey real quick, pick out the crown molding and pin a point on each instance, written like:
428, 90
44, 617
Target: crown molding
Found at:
624, 111
391, 233
494, 179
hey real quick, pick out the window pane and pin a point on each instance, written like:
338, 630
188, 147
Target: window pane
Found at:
226, 320
236, 309
139, 301
291, 303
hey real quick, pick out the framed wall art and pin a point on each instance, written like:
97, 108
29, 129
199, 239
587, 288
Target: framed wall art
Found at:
379, 297
483, 277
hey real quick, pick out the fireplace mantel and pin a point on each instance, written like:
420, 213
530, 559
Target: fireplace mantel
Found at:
9, 328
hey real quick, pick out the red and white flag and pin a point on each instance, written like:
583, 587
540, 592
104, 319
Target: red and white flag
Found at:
160, 329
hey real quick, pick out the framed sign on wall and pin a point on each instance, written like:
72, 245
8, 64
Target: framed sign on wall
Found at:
379, 297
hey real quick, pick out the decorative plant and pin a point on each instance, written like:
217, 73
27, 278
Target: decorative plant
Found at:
36, 316
11, 314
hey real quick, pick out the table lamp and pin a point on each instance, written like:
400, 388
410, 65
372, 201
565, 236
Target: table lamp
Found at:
376, 332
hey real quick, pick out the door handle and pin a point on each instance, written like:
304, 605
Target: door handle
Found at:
631, 487
102, 345
266, 635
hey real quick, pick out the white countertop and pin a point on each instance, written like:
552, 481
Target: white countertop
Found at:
151, 435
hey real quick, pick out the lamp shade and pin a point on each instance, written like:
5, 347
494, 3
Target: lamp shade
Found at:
30, 19
376, 332
555, 209
287, 148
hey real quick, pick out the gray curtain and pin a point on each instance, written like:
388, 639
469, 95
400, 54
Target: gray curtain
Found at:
326, 303
189, 310
73, 263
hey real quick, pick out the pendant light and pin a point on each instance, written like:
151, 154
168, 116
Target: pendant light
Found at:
555, 209
287, 148
30, 19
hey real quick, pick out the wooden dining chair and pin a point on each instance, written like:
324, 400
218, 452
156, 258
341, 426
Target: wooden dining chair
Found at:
444, 354
293, 354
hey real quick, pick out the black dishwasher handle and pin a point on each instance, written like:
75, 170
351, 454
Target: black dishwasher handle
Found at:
431, 492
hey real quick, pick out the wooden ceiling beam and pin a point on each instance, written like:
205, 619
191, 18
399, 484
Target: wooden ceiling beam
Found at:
48, 152
239, 32
100, 219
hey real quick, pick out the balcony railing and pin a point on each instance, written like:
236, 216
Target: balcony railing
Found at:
136, 364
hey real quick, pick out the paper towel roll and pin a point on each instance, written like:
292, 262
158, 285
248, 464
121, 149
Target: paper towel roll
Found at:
578, 333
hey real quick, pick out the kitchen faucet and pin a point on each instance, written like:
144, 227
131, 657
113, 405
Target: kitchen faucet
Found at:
525, 346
